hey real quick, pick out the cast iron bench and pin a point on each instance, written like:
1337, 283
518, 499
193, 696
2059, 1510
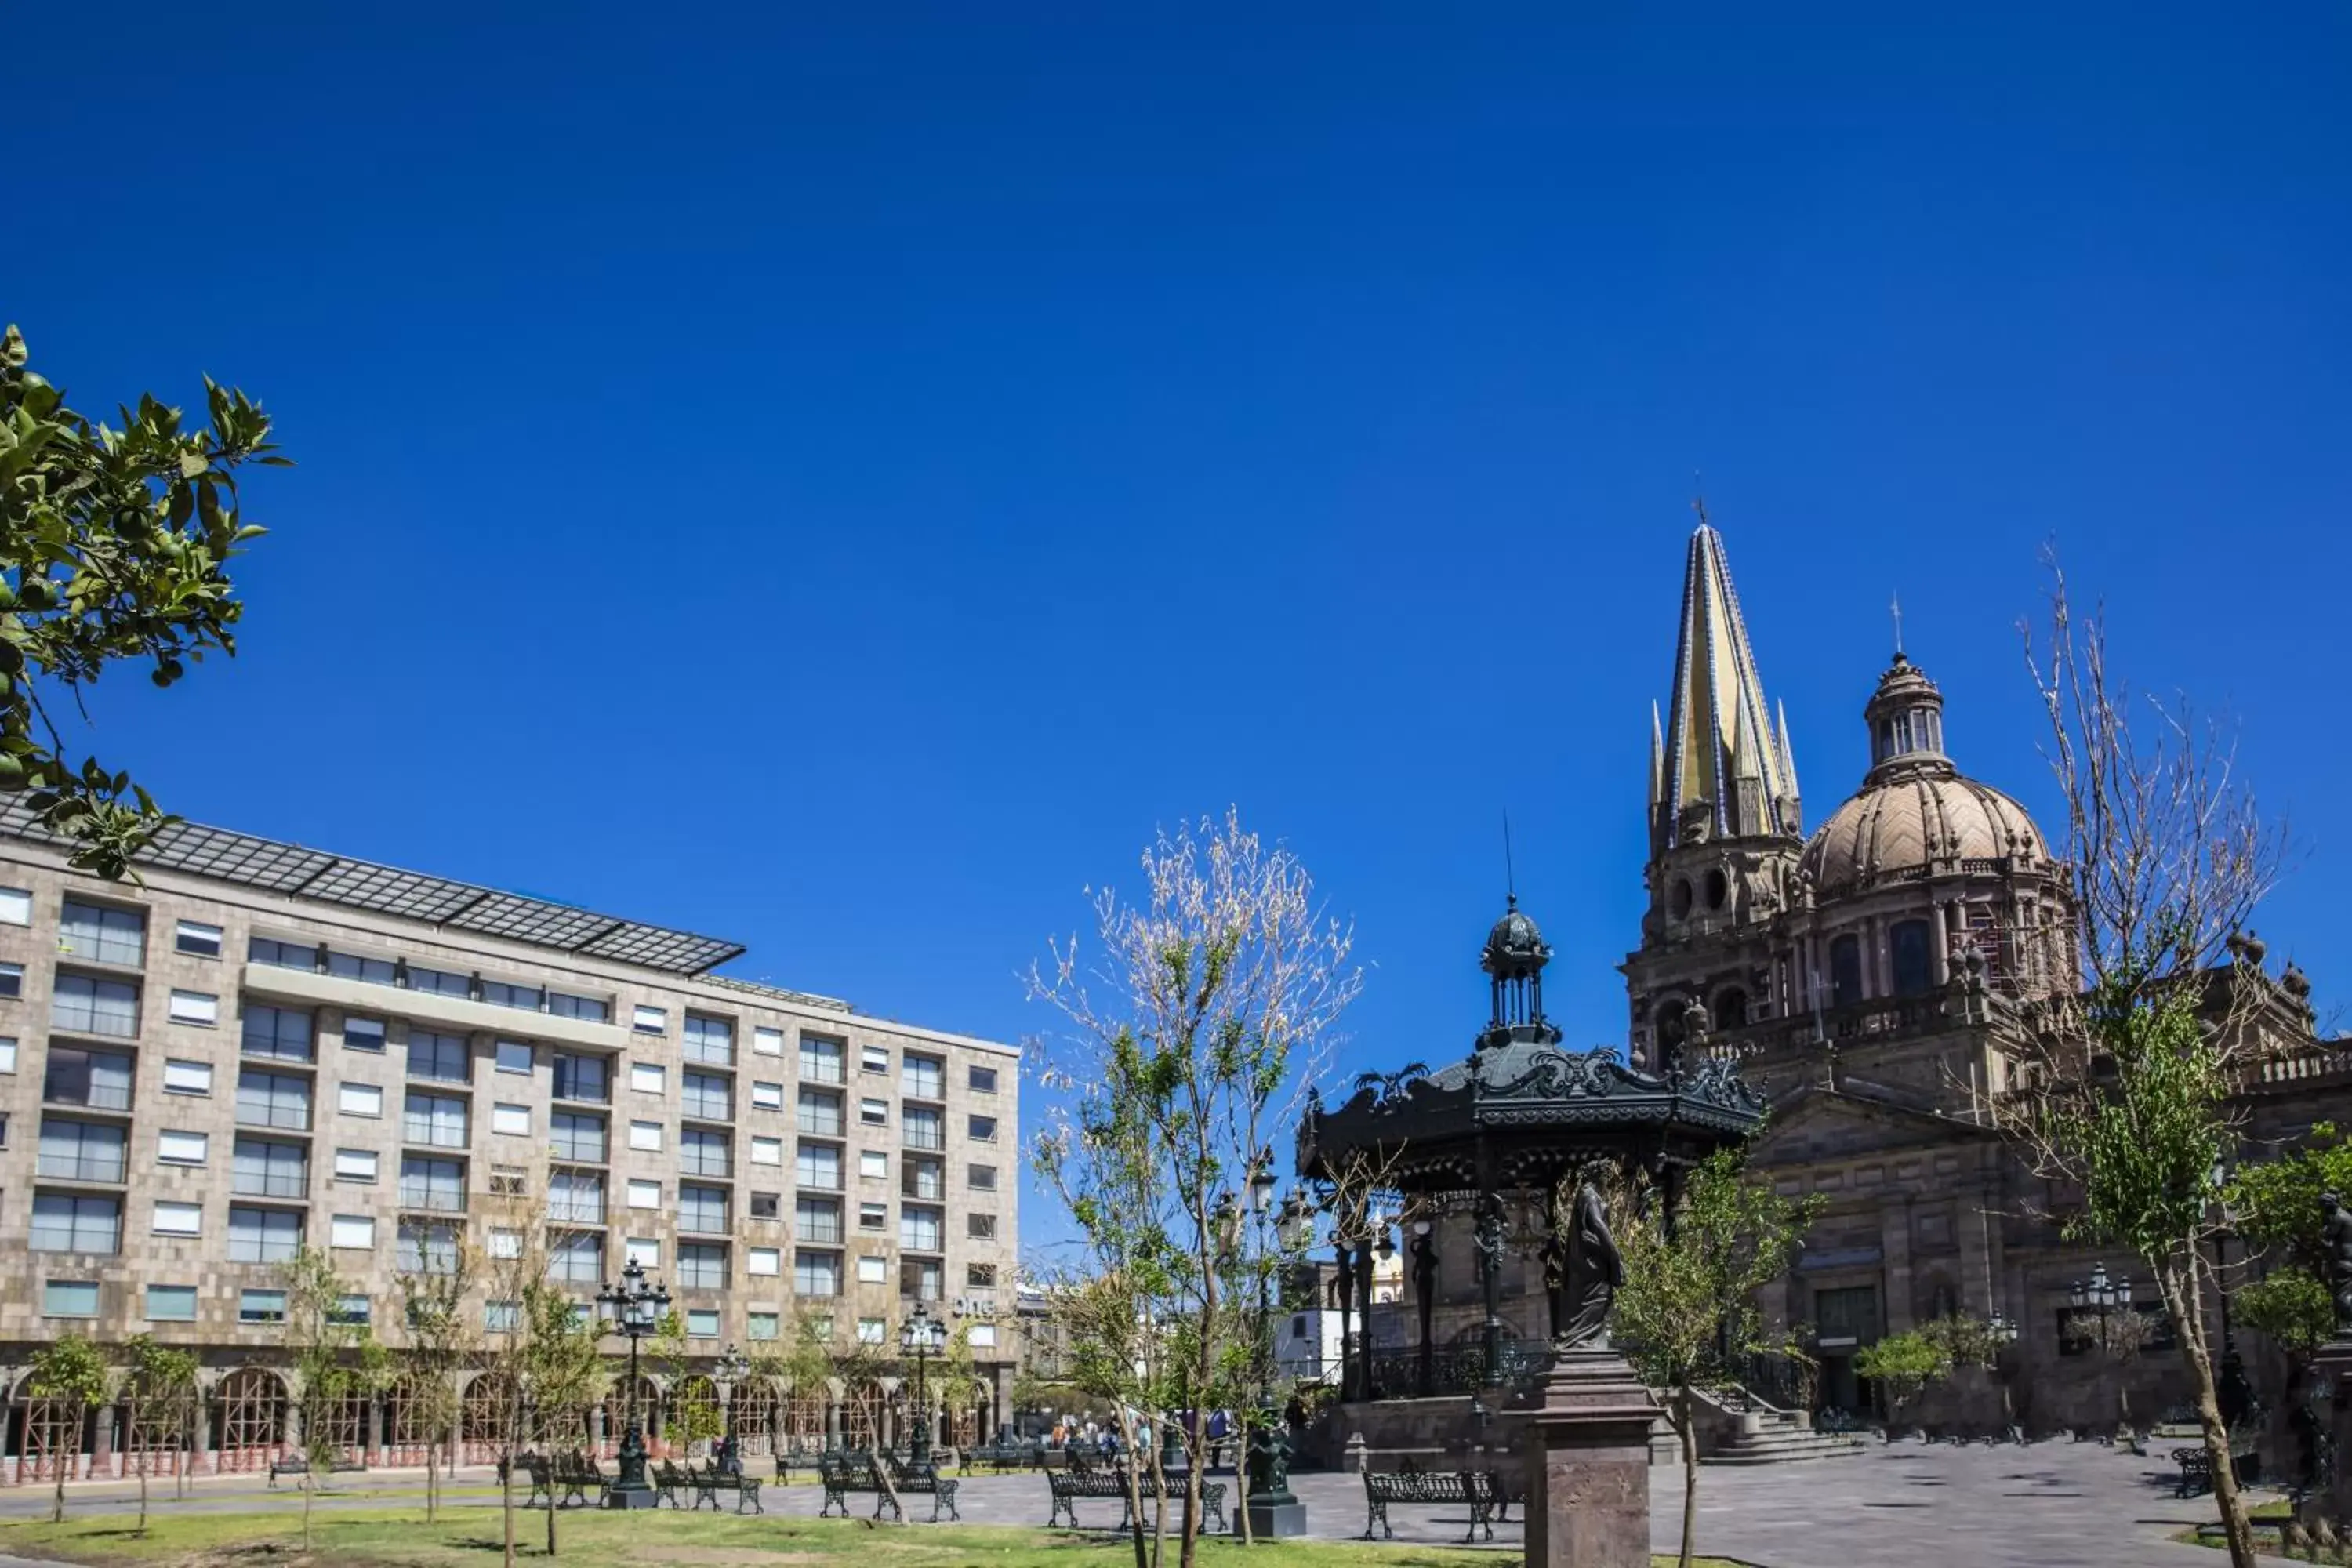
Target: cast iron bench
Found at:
302, 1467
1068, 1485
1001, 1455
1484, 1494
921, 1479
709, 1481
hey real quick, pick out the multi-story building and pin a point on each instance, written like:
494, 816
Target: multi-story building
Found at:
259, 1046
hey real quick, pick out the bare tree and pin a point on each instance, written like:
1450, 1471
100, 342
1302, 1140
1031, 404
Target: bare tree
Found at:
2125, 1097
1193, 1036
438, 1341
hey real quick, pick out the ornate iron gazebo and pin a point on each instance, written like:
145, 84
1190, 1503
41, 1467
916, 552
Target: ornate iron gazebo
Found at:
1502, 1129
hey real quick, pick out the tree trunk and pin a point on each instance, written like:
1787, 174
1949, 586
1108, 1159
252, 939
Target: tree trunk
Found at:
1131, 1467
2182, 1299
58, 1498
551, 1508
506, 1502
1685, 1430
131, 1429
432, 1479
310, 1485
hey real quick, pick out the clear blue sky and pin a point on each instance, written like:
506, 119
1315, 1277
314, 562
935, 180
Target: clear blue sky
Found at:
837, 478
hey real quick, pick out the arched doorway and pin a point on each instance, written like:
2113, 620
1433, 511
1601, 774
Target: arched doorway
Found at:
408, 1418
751, 1411
694, 1417
250, 1409
616, 1411
482, 1416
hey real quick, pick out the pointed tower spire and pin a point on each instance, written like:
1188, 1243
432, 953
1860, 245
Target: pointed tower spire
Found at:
1788, 758
1657, 770
1725, 771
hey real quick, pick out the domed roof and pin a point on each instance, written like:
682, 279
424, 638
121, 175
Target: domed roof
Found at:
1515, 942
1926, 815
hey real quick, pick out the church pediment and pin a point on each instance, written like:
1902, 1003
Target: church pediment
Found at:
1819, 1123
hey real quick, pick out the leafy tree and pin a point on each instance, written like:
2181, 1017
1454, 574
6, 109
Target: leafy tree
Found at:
437, 1342
1902, 1365
335, 1359
1193, 1034
158, 1392
562, 1372
2124, 1096
114, 545
687, 1419
2275, 1204
805, 1367
1687, 1311
70, 1375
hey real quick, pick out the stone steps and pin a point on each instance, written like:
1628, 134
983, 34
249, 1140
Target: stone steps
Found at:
1779, 1439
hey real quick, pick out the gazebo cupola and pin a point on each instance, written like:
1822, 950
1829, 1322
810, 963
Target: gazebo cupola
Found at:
1513, 961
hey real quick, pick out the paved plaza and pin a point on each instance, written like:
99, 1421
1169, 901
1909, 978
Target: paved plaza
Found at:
2053, 1505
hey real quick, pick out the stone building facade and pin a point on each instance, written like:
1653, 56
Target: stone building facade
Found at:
261, 1046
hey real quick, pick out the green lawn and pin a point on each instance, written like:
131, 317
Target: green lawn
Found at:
399, 1538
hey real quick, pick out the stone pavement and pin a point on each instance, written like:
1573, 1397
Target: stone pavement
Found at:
2053, 1505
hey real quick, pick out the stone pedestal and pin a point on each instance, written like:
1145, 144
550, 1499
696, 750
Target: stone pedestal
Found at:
1275, 1521
1588, 1463
2332, 1499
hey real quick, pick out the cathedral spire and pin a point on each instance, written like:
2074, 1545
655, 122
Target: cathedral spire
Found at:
1724, 770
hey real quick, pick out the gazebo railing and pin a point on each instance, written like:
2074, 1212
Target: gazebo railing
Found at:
1457, 1369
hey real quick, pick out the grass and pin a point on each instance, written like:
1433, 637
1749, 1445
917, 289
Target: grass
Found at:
370, 1538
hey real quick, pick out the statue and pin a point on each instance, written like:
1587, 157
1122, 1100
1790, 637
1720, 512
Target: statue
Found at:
1489, 1238
1554, 1273
2335, 1247
1269, 1459
1592, 1271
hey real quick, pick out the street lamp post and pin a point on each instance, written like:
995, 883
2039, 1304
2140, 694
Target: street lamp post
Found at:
2003, 1334
633, 1307
2106, 1298
1424, 1285
733, 1367
922, 1337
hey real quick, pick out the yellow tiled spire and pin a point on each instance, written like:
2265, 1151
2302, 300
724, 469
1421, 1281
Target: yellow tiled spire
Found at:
1720, 747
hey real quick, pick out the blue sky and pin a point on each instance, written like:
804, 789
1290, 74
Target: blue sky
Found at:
838, 479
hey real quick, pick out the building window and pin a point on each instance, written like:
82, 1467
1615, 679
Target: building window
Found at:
701, 1266
355, 1232
874, 1112
926, 1179
767, 1205
12, 981
503, 993
355, 1164
263, 1236
280, 954
873, 1269
15, 907
85, 1004
701, 1152
508, 1181
95, 1080
174, 1147
196, 939
767, 1152
922, 1278
767, 1096
1846, 970
980, 1276
764, 1262
440, 982
647, 1078
981, 1128
650, 1020
514, 1056
817, 1220
573, 1135
577, 1259
923, 1077
359, 1099
510, 1120
706, 1095
80, 1150
767, 1042
506, 1243
277, 1033
817, 1273
350, 1312
369, 970
642, 1250
644, 1194
920, 1229
187, 1078
563, 1004
646, 1136
279, 1100
575, 1198
980, 1227
107, 935
873, 1059
821, 1059
873, 1331
710, 1041
73, 1222
261, 1306
820, 1112
873, 1165
259, 1168
874, 1216
702, 1209
501, 1317
1731, 1008
701, 1323
758, 1326
588, 1078
171, 1303
981, 1178
425, 1246
922, 1127
442, 1058
818, 1165
982, 1080
1909, 946
436, 1119
364, 1035
183, 1219
981, 1336
436, 1186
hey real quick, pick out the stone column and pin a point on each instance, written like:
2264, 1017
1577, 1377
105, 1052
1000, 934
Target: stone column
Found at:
1588, 1465
101, 1441
1894, 1273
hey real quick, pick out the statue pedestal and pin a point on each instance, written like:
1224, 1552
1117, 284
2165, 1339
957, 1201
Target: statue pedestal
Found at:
1588, 1463
1270, 1520
2331, 1498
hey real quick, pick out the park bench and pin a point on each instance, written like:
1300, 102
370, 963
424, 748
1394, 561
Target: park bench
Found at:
1002, 1454
2196, 1471
843, 1476
562, 1482
1068, 1485
302, 1467
710, 1480
1481, 1492
919, 1480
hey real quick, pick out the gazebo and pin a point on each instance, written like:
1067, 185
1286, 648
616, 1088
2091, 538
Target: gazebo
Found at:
1490, 1140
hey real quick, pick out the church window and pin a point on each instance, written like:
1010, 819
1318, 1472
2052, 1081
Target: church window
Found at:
1731, 1008
1718, 888
1846, 970
1682, 897
1908, 946
1669, 1021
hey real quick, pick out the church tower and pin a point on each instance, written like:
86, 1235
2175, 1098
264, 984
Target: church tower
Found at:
1726, 825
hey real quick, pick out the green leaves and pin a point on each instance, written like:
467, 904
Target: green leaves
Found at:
113, 547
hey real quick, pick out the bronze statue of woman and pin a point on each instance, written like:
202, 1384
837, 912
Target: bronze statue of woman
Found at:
1593, 1272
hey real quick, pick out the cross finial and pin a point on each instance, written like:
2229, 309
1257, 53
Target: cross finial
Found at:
1698, 501
1896, 606
1510, 880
